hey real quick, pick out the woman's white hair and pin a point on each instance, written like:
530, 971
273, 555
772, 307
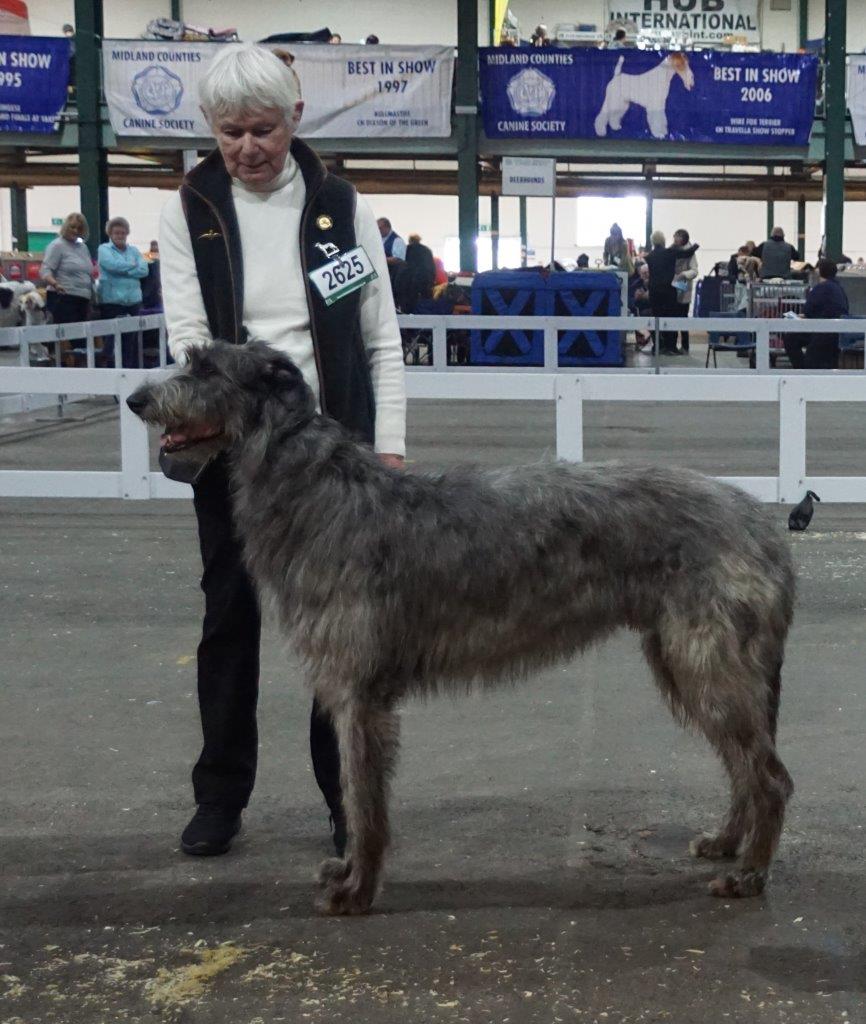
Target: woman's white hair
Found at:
657, 238
248, 77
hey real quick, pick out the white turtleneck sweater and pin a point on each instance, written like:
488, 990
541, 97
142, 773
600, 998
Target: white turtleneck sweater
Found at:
275, 303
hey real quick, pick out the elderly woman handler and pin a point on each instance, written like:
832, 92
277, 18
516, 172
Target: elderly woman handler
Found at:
240, 244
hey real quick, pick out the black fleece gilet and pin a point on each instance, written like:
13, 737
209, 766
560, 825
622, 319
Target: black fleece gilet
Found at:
345, 386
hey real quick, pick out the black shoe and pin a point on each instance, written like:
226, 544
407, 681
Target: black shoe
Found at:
338, 828
211, 830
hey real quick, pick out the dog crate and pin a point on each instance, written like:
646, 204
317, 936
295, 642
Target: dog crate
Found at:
509, 293
587, 293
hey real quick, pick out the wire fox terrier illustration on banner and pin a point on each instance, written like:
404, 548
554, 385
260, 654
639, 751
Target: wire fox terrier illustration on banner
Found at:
649, 90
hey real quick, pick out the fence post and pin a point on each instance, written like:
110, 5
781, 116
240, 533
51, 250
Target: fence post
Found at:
762, 348
792, 439
440, 346
163, 355
551, 348
568, 393
134, 449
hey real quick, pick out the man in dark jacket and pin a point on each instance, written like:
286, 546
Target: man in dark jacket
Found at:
826, 301
776, 255
662, 263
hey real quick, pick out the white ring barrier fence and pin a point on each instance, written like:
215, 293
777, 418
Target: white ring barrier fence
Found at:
569, 388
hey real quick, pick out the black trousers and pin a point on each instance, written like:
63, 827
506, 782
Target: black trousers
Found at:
128, 342
228, 665
663, 302
813, 351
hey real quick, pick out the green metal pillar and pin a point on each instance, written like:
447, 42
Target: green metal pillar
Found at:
834, 126
804, 22
494, 230
92, 158
491, 23
177, 10
524, 233
20, 236
771, 206
801, 226
466, 114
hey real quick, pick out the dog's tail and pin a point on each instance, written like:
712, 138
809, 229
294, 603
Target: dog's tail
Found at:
618, 69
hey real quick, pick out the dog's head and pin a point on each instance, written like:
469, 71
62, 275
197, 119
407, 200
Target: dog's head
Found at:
222, 395
680, 64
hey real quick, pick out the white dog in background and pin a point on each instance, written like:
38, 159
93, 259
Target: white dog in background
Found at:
649, 90
32, 304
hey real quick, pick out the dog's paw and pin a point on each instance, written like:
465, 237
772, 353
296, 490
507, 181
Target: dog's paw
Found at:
734, 886
713, 848
334, 869
346, 897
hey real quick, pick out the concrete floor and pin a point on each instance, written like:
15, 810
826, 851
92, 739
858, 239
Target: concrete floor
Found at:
539, 872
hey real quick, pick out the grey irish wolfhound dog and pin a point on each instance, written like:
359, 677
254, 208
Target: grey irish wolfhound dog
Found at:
393, 583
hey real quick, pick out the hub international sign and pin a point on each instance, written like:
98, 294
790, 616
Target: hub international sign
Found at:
693, 21
697, 96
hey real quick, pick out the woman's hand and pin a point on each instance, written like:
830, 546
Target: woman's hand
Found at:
392, 461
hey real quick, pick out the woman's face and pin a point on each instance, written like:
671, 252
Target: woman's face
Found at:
119, 235
255, 145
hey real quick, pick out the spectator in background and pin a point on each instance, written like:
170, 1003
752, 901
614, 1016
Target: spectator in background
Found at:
827, 300
414, 283
616, 251
583, 261
371, 40
662, 263
151, 286
618, 42
685, 272
540, 36
638, 300
336, 38
67, 269
393, 244
121, 271
776, 255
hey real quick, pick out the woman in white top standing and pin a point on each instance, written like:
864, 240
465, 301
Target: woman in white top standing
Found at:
684, 280
250, 247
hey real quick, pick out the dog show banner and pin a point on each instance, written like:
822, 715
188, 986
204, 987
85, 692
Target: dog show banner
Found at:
151, 88
703, 96
34, 76
697, 21
857, 97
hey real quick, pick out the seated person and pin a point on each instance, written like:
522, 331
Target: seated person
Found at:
826, 301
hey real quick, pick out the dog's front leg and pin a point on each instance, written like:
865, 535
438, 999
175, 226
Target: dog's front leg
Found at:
369, 740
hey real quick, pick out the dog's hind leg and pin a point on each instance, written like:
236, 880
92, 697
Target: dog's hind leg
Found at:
726, 843
369, 740
738, 718
601, 119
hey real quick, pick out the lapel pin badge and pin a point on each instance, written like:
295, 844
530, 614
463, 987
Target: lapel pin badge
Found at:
208, 235
324, 222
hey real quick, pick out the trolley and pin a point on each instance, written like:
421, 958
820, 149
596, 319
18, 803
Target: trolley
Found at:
773, 300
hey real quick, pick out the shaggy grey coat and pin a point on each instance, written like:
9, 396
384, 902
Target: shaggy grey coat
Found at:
392, 583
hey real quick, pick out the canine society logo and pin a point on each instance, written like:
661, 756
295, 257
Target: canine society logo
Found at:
531, 92
157, 90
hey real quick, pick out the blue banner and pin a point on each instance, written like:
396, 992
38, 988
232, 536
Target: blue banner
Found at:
700, 96
34, 75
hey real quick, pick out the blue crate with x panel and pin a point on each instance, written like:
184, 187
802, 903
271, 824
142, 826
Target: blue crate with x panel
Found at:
587, 293
509, 293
